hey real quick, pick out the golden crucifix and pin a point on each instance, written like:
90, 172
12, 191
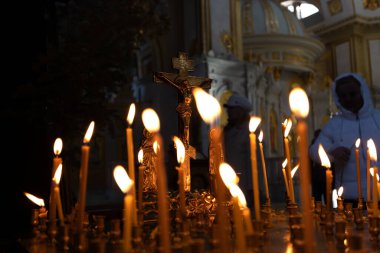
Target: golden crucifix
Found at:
185, 84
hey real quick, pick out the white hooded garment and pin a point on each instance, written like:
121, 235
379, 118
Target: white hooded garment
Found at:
343, 129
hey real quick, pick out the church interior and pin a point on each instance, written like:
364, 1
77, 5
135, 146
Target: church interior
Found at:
97, 61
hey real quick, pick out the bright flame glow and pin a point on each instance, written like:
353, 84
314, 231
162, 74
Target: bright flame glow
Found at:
334, 198
140, 156
372, 150
288, 125
122, 179
208, 106
357, 143
180, 149
150, 120
58, 174
254, 123
90, 130
156, 147
340, 191
228, 175
58, 144
131, 113
294, 170
299, 103
35, 200
323, 156
237, 192
260, 136
372, 171
284, 163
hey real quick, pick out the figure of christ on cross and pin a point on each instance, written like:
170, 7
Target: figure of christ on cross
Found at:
184, 84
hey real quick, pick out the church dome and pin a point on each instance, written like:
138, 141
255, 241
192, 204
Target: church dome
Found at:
273, 35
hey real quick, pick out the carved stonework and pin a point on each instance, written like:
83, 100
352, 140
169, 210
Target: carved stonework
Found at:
335, 6
371, 4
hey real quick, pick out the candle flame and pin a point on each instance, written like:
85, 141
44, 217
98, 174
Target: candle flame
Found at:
323, 156
38, 201
58, 174
90, 130
150, 120
334, 198
140, 156
284, 163
288, 125
122, 179
237, 192
299, 103
156, 147
228, 175
180, 149
254, 123
58, 144
357, 143
261, 136
294, 170
340, 191
208, 106
131, 113
372, 171
372, 150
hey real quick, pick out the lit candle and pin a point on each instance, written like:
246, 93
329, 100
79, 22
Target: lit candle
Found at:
357, 144
368, 166
57, 179
83, 175
152, 124
236, 191
131, 160
326, 163
299, 105
285, 177
39, 202
263, 166
238, 219
209, 109
288, 126
253, 124
140, 157
181, 183
126, 185
57, 148
373, 157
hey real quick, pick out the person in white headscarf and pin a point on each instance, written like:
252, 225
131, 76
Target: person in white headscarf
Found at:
357, 118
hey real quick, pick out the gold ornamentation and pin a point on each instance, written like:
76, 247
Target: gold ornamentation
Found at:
371, 4
227, 41
335, 6
185, 84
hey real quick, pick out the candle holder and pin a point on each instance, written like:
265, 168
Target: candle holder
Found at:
258, 233
358, 217
294, 224
373, 227
349, 214
322, 216
317, 210
298, 241
266, 213
330, 219
354, 243
66, 237
340, 234
115, 232
361, 203
369, 207
35, 225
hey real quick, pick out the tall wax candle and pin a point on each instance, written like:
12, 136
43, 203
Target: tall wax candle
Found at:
57, 148
210, 110
285, 177
288, 170
357, 157
375, 195
368, 165
152, 124
83, 176
57, 179
181, 174
325, 162
264, 167
131, 159
299, 105
238, 224
141, 186
253, 124
126, 185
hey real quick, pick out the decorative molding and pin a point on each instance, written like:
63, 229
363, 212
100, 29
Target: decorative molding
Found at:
335, 7
371, 4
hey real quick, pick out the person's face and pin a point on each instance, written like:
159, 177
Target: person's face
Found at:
350, 96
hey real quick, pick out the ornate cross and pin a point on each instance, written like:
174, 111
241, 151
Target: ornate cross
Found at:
185, 84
